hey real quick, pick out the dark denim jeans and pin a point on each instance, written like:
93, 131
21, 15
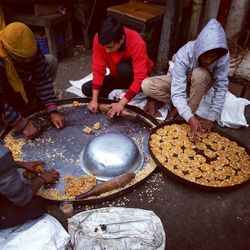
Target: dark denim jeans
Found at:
126, 77
11, 215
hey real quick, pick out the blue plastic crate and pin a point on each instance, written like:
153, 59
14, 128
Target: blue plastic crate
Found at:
43, 44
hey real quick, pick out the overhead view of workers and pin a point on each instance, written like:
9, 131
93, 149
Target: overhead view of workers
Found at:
124, 124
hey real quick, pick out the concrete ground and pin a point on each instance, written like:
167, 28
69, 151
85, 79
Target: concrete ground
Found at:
73, 68
193, 219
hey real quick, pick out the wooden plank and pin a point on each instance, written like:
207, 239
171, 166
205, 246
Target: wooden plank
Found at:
50, 24
167, 34
45, 9
68, 38
43, 21
139, 10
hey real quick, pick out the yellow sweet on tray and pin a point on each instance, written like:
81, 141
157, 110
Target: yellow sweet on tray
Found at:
80, 185
97, 125
75, 104
215, 161
87, 130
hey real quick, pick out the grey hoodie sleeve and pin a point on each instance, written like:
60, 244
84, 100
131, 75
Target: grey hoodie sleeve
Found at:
11, 184
220, 74
179, 82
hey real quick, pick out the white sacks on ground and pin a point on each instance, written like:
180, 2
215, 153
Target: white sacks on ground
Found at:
232, 114
45, 233
76, 87
117, 228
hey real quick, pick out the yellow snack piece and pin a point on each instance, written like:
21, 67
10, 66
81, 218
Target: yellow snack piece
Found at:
97, 125
87, 130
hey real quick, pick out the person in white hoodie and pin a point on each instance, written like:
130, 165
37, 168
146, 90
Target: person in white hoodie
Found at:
198, 66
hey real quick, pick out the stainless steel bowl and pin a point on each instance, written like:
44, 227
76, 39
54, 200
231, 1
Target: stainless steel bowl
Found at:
110, 155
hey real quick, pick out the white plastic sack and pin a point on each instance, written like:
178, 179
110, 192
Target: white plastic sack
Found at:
45, 233
232, 114
115, 228
76, 87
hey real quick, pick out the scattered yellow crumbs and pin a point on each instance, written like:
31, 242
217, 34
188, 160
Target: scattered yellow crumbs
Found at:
77, 186
97, 125
15, 146
87, 130
75, 104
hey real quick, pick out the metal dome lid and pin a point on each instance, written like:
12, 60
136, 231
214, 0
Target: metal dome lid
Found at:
110, 155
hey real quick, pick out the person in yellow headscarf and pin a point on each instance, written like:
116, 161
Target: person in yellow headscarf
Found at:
26, 78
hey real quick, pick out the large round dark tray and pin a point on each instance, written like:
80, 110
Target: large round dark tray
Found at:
141, 118
184, 181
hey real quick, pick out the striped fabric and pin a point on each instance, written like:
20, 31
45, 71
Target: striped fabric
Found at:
36, 74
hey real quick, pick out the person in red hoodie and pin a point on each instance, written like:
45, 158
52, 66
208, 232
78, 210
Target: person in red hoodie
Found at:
124, 52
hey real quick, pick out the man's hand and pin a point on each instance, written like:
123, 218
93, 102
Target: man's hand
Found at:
206, 125
30, 130
93, 106
196, 127
50, 176
57, 120
31, 165
116, 108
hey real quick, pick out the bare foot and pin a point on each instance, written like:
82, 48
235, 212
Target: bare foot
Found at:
152, 107
172, 113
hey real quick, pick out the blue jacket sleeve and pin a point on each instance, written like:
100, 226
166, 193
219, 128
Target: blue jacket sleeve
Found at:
11, 184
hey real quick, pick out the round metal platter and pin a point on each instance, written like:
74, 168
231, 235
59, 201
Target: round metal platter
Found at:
61, 149
179, 173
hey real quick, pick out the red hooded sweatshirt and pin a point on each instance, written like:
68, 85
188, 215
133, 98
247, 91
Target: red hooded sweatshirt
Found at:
135, 49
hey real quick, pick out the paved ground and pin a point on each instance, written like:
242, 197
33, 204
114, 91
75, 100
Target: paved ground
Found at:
73, 68
192, 218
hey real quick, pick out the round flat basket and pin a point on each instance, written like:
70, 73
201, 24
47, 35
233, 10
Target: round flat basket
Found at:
217, 161
61, 149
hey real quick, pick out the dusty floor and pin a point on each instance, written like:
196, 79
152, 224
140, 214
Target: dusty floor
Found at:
73, 68
192, 218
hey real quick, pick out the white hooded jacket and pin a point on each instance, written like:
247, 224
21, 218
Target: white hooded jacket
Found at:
211, 37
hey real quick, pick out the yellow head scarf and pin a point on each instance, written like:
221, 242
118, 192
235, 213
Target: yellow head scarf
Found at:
18, 39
